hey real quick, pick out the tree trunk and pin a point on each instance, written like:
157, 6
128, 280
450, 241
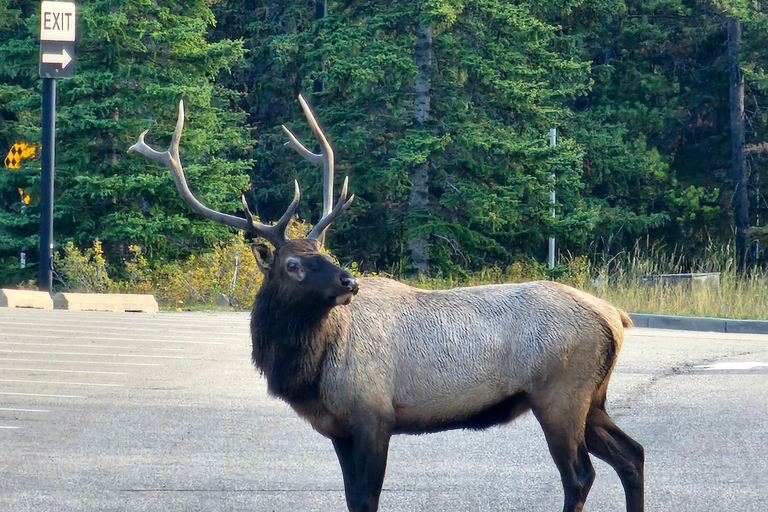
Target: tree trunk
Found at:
739, 174
419, 174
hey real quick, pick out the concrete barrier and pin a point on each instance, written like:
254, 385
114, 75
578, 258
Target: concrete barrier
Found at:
691, 280
25, 299
105, 302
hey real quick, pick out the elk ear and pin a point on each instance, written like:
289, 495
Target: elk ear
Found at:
264, 256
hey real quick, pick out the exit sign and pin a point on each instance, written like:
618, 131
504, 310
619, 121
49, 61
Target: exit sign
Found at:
57, 39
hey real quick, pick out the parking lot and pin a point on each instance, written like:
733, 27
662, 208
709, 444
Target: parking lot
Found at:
108, 411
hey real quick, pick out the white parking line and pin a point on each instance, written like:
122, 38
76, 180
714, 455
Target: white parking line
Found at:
109, 321
8, 428
61, 371
115, 347
14, 409
85, 354
116, 337
109, 385
76, 362
40, 394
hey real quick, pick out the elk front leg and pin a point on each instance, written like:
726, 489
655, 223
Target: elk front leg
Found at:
363, 460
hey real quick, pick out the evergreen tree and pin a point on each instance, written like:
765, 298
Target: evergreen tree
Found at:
503, 74
661, 79
135, 60
18, 112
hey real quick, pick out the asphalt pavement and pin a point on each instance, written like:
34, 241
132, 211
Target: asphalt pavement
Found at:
164, 412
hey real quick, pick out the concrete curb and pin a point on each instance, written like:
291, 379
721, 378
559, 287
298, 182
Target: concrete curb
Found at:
116, 302
10, 298
695, 323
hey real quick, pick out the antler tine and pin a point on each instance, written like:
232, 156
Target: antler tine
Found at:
275, 234
282, 224
318, 231
171, 159
325, 156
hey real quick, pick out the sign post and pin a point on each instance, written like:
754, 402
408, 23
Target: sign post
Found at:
57, 49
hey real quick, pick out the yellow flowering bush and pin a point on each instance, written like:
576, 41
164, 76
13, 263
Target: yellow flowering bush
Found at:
228, 269
84, 271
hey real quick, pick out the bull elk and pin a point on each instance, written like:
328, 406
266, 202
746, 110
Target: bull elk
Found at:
397, 359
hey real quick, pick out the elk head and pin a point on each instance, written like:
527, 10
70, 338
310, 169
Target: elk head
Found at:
297, 267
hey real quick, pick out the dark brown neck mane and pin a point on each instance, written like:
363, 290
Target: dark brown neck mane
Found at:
290, 342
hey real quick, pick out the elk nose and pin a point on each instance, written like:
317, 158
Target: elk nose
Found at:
350, 282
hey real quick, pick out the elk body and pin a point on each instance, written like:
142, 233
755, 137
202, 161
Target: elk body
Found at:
364, 359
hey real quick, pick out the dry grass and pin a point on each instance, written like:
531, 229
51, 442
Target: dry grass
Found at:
621, 282
736, 298
196, 282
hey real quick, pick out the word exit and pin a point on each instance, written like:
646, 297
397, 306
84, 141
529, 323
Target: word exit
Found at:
57, 21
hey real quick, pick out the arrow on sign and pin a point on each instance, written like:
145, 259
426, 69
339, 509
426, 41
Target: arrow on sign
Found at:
63, 58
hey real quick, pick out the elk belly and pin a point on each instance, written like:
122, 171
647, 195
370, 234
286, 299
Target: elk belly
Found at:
481, 408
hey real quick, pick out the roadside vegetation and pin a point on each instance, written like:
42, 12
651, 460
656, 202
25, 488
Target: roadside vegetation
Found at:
229, 270
439, 112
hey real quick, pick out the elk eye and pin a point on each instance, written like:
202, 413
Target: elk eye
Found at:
292, 266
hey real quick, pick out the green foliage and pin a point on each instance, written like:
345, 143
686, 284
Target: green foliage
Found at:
638, 92
504, 75
227, 269
135, 60
661, 86
83, 271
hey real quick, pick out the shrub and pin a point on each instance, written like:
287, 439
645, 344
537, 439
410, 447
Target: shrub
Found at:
83, 271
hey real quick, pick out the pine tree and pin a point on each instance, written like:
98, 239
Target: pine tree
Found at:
502, 75
135, 61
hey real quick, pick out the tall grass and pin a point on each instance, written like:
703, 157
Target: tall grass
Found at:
623, 281
229, 269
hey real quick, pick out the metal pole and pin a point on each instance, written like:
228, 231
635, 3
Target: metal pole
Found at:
47, 159
551, 259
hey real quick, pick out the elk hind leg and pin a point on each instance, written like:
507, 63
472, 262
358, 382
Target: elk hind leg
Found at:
564, 431
608, 442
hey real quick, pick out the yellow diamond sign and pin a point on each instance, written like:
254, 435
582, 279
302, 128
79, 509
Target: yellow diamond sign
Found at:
18, 151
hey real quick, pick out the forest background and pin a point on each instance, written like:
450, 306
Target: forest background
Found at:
439, 112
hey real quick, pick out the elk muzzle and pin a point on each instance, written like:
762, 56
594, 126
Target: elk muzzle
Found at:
350, 285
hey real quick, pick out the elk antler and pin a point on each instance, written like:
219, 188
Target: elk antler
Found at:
170, 158
330, 213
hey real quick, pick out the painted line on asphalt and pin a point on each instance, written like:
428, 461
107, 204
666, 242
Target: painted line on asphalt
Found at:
106, 338
86, 354
161, 334
8, 393
87, 372
77, 362
14, 315
107, 385
8, 428
15, 409
181, 324
116, 347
